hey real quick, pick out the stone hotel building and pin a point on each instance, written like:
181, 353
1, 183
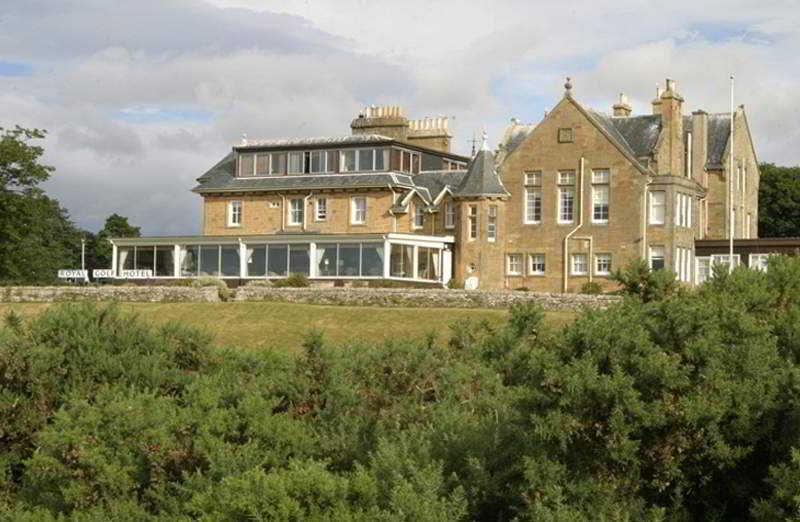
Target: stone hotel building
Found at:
557, 204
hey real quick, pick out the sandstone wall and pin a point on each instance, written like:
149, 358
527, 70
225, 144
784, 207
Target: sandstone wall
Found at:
421, 298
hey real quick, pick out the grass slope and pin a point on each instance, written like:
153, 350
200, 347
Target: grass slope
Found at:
255, 324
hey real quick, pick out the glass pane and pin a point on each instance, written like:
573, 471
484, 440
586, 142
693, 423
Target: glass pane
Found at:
401, 261
230, 260
349, 257
365, 159
317, 161
381, 159
246, 164
144, 258
165, 265
209, 260
189, 261
276, 260
372, 259
333, 156
326, 259
348, 161
295, 159
124, 259
424, 263
299, 262
262, 164
279, 163
256, 260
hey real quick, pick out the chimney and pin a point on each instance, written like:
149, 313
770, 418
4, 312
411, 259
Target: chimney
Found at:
430, 132
623, 108
699, 145
671, 157
657, 101
387, 120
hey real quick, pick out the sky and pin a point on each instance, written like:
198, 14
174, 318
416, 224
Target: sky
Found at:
141, 98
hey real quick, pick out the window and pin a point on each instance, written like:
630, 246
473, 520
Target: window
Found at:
579, 264
295, 162
566, 196
419, 215
246, 164
683, 210
262, 164
409, 161
234, 213
602, 264
347, 161
278, 163
702, 269
600, 179
321, 213
536, 264
449, 214
656, 257
318, 161
747, 224
683, 263
533, 197
491, 224
658, 205
514, 264
722, 259
296, 215
359, 210
758, 261
565, 135
473, 221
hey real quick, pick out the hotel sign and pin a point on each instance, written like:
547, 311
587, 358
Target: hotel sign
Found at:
137, 274
102, 273
73, 274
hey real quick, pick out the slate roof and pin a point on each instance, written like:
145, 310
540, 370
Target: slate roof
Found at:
719, 130
638, 134
481, 178
436, 180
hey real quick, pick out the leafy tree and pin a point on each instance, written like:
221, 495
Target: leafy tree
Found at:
779, 201
115, 226
638, 280
36, 235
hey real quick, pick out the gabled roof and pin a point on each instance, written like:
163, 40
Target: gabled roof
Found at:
481, 178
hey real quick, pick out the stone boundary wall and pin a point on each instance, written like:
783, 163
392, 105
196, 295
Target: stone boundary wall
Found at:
422, 298
152, 294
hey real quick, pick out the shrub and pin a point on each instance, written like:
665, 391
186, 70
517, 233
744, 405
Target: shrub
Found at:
638, 280
591, 288
224, 292
295, 280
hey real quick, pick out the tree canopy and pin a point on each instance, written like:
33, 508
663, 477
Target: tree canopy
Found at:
19, 159
684, 407
779, 201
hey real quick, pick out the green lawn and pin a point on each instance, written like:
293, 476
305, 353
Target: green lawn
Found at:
253, 324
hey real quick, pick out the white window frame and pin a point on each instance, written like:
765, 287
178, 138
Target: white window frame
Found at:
235, 213
758, 261
418, 220
242, 155
449, 214
531, 264
595, 190
653, 205
289, 157
651, 249
343, 163
574, 265
723, 259
358, 216
321, 211
472, 232
698, 261
562, 192
292, 211
514, 264
605, 271
323, 162
532, 187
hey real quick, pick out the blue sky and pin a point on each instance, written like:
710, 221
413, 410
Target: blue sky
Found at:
140, 98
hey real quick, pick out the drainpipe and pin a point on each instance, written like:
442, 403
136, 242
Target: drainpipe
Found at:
569, 235
305, 209
645, 210
391, 211
283, 212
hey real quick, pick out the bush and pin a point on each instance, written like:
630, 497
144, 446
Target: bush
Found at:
591, 288
638, 280
224, 292
295, 280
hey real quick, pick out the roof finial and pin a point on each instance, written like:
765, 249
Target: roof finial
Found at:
485, 144
244, 138
568, 86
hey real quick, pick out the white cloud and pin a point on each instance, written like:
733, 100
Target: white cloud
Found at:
142, 97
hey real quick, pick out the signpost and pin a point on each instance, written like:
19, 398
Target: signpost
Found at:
137, 274
74, 274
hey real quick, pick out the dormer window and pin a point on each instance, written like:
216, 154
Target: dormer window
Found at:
364, 160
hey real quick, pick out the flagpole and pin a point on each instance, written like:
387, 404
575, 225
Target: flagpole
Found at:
731, 174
